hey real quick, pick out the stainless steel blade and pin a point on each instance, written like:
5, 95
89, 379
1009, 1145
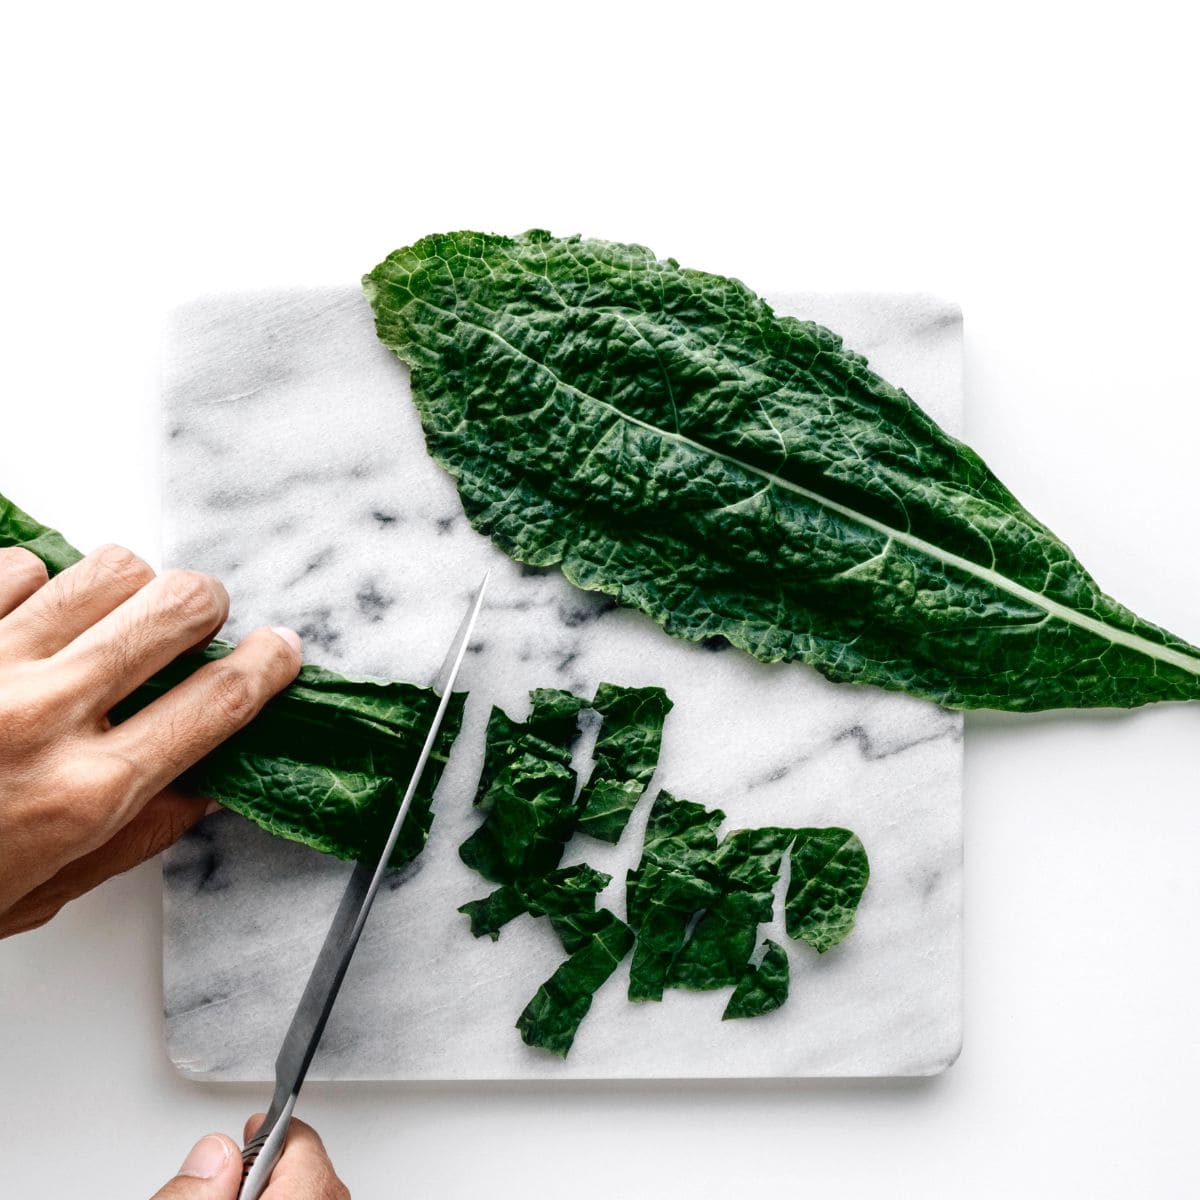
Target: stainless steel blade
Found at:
304, 1033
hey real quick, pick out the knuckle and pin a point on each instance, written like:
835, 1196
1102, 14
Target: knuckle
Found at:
280, 657
22, 716
32, 708
122, 565
23, 567
96, 783
193, 596
117, 776
235, 694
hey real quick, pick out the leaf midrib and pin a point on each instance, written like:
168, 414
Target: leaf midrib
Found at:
995, 579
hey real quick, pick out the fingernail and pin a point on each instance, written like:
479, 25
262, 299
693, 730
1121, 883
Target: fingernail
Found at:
207, 1158
290, 636
212, 807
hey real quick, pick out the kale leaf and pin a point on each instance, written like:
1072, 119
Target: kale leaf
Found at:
527, 793
829, 874
744, 870
625, 756
666, 888
762, 988
695, 904
551, 1019
527, 790
669, 440
320, 764
559, 895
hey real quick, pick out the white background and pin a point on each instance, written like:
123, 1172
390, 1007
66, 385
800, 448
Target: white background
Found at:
1035, 163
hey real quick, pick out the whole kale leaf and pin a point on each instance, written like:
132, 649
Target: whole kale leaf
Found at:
668, 439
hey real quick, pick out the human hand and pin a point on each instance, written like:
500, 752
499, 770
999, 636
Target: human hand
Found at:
81, 800
213, 1169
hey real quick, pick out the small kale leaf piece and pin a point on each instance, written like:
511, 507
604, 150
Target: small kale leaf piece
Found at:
595, 940
762, 988
551, 1019
527, 790
560, 894
321, 762
626, 755
744, 870
829, 874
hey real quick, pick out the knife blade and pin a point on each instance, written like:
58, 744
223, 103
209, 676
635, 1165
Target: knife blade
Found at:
263, 1150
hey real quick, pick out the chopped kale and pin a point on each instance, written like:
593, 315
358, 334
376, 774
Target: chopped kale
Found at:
527, 790
743, 869
760, 989
665, 888
829, 875
561, 894
694, 903
626, 756
552, 1017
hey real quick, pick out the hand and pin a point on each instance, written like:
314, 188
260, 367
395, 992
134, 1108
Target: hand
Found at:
213, 1170
81, 800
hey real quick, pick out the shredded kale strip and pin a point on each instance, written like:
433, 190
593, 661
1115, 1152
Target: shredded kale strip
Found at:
551, 1019
595, 940
666, 888
761, 989
319, 765
560, 895
626, 756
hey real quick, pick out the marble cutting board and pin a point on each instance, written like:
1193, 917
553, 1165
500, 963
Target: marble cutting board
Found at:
295, 470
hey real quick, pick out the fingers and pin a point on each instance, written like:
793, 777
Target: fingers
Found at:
73, 601
163, 821
172, 613
304, 1171
195, 716
211, 1171
21, 574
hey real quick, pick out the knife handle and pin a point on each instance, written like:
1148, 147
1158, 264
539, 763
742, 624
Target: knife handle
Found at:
263, 1151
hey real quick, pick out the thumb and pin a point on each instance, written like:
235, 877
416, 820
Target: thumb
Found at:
211, 1171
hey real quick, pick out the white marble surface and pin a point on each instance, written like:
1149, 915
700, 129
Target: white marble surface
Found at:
296, 471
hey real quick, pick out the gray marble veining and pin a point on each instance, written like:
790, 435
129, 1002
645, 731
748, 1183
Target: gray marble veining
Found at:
296, 471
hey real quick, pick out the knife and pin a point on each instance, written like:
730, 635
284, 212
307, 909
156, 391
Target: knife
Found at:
262, 1151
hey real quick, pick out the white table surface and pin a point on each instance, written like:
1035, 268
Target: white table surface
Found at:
1035, 167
